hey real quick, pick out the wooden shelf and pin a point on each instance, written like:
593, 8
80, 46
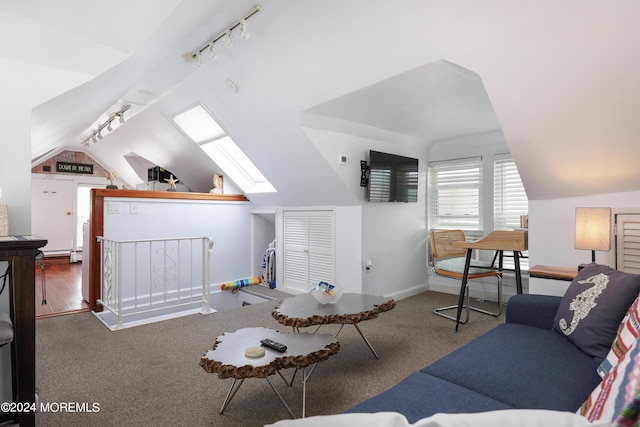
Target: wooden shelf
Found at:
552, 272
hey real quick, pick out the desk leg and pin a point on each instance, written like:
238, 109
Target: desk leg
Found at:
463, 287
516, 261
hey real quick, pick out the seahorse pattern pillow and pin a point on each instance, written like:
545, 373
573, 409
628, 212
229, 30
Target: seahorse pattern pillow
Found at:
593, 307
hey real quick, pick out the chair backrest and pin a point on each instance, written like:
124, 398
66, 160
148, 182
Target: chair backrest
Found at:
441, 243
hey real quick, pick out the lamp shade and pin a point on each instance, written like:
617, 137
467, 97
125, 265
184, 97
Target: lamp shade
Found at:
593, 229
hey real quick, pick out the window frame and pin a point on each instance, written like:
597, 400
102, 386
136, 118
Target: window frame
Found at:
438, 181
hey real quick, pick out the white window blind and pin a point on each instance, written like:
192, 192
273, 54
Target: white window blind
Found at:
509, 198
455, 194
509, 202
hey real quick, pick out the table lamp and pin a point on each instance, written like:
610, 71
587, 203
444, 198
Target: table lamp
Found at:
593, 230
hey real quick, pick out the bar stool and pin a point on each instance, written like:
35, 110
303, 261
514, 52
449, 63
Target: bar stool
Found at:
451, 265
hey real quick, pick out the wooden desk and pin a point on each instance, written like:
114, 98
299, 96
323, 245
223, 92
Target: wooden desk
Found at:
20, 252
551, 272
503, 240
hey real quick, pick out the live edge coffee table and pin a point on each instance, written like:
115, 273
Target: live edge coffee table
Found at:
227, 358
303, 310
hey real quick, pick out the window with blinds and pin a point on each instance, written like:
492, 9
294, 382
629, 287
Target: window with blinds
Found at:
509, 202
455, 194
509, 198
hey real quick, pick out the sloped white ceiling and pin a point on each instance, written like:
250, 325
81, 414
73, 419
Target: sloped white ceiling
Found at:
560, 79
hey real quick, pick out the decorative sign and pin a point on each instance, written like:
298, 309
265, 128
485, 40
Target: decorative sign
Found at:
67, 167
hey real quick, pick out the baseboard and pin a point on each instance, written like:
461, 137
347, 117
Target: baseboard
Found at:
406, 293
56, 259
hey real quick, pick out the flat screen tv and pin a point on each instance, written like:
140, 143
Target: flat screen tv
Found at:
392, 178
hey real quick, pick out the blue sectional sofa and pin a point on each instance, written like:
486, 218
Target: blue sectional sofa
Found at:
522, 363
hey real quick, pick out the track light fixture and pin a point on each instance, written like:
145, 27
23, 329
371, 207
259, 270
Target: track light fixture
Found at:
243, 30
106, 126
226, 36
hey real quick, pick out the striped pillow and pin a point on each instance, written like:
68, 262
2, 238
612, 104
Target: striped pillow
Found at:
618, 388
627, 334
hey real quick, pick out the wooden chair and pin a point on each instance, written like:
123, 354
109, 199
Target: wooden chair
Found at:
449, 261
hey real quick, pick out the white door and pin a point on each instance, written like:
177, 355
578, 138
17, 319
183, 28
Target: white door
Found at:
309, 248
628, 243
52, 213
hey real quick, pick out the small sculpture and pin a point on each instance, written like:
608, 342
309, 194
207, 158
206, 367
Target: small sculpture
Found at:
217, 184
111, 176
172, 183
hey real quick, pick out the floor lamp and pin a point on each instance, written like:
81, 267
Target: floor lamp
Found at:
593, 230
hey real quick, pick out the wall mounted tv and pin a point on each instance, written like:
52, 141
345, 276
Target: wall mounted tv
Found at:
392, 178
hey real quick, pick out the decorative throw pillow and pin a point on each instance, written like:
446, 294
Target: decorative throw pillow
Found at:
593, 307
627, 333
617, 390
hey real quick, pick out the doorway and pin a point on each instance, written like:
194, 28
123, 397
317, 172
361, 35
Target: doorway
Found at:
52, 214
60, 206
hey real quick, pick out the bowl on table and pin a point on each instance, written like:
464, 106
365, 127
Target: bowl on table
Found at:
326, 293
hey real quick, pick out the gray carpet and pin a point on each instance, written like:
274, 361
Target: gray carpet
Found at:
149, 375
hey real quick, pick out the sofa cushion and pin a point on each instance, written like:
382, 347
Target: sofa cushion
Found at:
519, 365
627, 334
593, 307
421, 395
617, 389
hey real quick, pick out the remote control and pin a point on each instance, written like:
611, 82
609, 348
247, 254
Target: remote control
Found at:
274, 345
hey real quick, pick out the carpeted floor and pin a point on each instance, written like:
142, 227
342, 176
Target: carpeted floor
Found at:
149, 375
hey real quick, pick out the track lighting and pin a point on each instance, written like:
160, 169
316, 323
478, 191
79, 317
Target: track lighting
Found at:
226, 36
107, 126
243, 30
227, 39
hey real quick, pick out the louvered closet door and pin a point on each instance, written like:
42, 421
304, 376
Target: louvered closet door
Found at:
628, 243
309, 248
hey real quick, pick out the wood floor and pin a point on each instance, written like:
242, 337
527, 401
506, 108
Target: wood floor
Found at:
63, 288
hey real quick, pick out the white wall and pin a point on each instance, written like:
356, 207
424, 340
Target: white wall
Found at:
229, 223
552, 233
23, 87
392, 234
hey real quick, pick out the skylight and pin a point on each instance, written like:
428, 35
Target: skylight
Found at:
205, 131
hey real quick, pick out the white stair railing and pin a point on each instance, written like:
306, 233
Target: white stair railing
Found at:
154, 276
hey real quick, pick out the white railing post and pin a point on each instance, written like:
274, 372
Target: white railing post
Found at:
207, 249
118, 265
